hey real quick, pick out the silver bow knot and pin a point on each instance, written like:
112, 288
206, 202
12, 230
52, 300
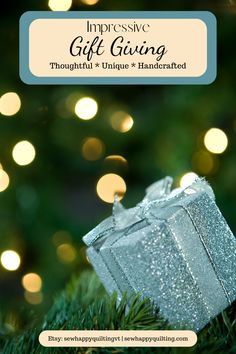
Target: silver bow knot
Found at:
158, 195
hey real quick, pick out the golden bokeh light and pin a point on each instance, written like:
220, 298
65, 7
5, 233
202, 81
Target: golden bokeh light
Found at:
71, 100
66, 253
187, 179
116, 158
121, 121
23, 153
59, 5
86, 108
10, 104
89, 2
33, 298
32, 282
92, 149
4, 180
204, 162
216, 141
116, 161
110, 185
60, 237
10, 260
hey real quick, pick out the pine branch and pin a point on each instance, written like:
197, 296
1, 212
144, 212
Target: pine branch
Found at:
85, 305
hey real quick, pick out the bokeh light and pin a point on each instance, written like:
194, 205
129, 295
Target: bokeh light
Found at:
10, 260
33, 298
187, 179
32, 282
110, 185
86, 108
23, 153
61, 236
66, 253
204, 162
116, 158
216, 141
89, 2
10, 104
59, 5
116, 162
4, 180
92, 149
11, 322
121, 121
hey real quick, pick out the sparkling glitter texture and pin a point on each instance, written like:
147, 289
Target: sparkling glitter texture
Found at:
174, 248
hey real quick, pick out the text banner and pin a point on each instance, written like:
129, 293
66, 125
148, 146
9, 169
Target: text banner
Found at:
118, 47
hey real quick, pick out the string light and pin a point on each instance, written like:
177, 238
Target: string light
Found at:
59, 5
116, 161
61, 237
216, 141
33, 298
23, 153
89, 2
66, 253
121, 121
10, 260
86, 108
10, 104
32, 282
109, 185
117, 158
4, 180
92, 149
187, 179
204, 162
11, 322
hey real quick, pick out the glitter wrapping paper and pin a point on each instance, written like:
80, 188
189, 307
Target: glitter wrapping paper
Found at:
174, 248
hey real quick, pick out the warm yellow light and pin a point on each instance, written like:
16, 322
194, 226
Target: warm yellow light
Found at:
32, 282
33, 298
117, 159
89, 2
92, 149
4, 180
23, 153
121, 121
187, 179
10, 260
10, 104
110, 185
204, 162
216, 141
66, 253
59, 5
60, 237
1, 168
86, 108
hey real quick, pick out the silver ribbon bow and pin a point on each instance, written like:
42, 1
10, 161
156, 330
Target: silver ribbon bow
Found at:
158, 194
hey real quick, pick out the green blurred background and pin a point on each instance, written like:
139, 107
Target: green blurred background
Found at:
52, 202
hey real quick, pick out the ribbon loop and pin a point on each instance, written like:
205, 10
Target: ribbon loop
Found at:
159, 194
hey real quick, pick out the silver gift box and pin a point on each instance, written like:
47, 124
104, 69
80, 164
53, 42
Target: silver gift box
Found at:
174, 248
